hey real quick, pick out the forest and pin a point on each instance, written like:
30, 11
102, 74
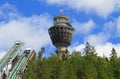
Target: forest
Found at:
77, 65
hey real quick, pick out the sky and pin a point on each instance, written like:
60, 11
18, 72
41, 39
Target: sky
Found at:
95, 21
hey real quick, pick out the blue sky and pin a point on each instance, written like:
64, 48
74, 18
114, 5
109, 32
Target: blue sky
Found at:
97, 22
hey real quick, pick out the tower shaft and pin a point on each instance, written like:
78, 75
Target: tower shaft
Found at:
62, 51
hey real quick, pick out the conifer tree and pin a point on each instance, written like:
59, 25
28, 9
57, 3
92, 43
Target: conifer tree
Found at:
87, 48
113, 53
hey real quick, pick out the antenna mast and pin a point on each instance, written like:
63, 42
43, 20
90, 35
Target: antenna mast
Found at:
61, 11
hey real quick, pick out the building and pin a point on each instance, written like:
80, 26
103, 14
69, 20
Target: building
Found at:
61, 34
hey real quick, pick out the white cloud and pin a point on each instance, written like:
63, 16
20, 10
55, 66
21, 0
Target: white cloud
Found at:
77, 48
102, 49
100, 7
110, 30
84, 28
118, 26
110, 27
97, 39
113, 27
32, 30
8, 12
106, 49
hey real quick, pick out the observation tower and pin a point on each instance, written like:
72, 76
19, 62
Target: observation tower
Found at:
61, 34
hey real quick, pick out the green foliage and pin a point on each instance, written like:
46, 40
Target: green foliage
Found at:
76, 66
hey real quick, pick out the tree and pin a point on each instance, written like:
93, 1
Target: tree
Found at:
90, 50
113, 54
41, 52
77, 66
114, 64
87, 48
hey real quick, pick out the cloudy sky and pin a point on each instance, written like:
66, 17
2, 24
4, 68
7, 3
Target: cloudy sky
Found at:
95, 21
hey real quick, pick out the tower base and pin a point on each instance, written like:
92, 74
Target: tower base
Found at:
62, 52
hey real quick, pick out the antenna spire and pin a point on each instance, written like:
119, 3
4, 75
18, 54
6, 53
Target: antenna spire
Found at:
61, 11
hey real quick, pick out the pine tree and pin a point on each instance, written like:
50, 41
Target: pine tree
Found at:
113, 53
87, 48
90, 50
